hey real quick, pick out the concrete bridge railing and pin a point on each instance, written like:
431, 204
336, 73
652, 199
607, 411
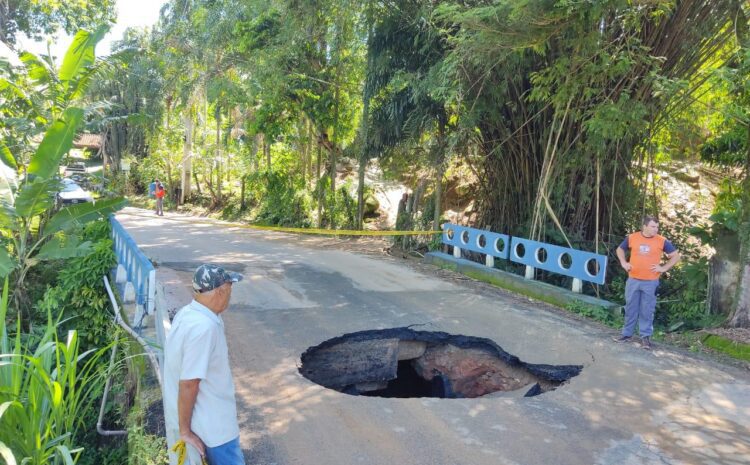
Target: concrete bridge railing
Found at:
136, 279
577, 264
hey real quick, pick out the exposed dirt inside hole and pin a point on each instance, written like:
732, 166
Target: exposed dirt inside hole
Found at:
401, 362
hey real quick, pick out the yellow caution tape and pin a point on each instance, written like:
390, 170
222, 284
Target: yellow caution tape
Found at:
324, 232
180, 448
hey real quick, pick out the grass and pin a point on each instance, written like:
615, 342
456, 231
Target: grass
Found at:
734, 349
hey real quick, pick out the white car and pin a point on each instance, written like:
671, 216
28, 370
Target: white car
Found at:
71, 193
75, 168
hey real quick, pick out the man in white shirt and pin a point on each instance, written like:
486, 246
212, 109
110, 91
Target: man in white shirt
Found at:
199, 403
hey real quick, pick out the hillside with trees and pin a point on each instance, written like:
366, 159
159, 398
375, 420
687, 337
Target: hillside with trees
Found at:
560, 114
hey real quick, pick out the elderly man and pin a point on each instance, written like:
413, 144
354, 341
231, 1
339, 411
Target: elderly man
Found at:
200, 408
644, 268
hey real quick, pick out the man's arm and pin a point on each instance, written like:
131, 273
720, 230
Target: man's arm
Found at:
188, 392
623, 262
674, 257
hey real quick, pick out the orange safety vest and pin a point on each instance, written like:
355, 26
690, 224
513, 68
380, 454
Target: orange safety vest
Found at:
159, 192
645, 252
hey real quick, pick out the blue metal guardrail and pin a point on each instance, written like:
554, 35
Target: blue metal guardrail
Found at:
140, 272
477, 240
577, 264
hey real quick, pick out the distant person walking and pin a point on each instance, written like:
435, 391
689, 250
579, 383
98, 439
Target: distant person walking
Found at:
644, 269
199, 404
160, 191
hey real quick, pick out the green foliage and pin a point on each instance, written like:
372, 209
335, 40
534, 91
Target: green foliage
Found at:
46, 388
595, 312
37, 17
726, 216
343, 206
144, 448
34, 232
79, 290
728, 148
280, 199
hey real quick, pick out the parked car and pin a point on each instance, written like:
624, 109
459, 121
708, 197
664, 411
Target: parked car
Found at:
75, 168
71, 193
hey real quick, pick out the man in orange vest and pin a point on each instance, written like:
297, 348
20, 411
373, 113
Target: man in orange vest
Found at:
644, 268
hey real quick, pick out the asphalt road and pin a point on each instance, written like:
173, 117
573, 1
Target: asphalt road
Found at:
628, 406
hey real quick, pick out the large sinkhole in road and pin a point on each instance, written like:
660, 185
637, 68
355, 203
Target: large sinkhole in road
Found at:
402, 362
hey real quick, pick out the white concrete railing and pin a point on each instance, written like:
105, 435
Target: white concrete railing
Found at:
135, 274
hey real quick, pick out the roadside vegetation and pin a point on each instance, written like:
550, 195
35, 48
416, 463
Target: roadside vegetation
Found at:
557, 121
56, 324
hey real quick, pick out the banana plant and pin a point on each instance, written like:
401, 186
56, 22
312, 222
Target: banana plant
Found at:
31, 230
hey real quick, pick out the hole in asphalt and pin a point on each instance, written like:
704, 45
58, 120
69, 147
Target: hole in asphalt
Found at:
402, 363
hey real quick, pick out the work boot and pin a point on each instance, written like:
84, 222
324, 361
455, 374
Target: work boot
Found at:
646, 342
621, 338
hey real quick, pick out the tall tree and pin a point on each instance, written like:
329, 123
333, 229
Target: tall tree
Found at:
406, 50
36, 18
740, 315
570, 98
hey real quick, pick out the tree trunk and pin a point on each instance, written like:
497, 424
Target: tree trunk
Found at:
197, 183
267, 152
303, 147
257, 141
310, 145
186, 158
320, 190
438, 196
115, 145
334, 144
243, 206
363, 159
439, 174
361, 191
218, 153
740, 317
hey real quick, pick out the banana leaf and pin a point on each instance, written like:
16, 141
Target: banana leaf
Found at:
82, 213
80, 54
35, 197
57, 141
61, 247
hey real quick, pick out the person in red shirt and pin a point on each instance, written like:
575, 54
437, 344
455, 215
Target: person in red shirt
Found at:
644, 269
159, 198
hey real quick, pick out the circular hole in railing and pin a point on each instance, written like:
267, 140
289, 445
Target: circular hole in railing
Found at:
565, 261
449, 233
481, 241
499, 245
541, 255
592, 267
465, 237
519, 250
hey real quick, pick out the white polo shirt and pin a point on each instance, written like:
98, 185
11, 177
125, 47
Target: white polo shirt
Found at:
196, 348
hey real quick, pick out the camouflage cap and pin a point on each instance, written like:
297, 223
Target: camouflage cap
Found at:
209, 277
